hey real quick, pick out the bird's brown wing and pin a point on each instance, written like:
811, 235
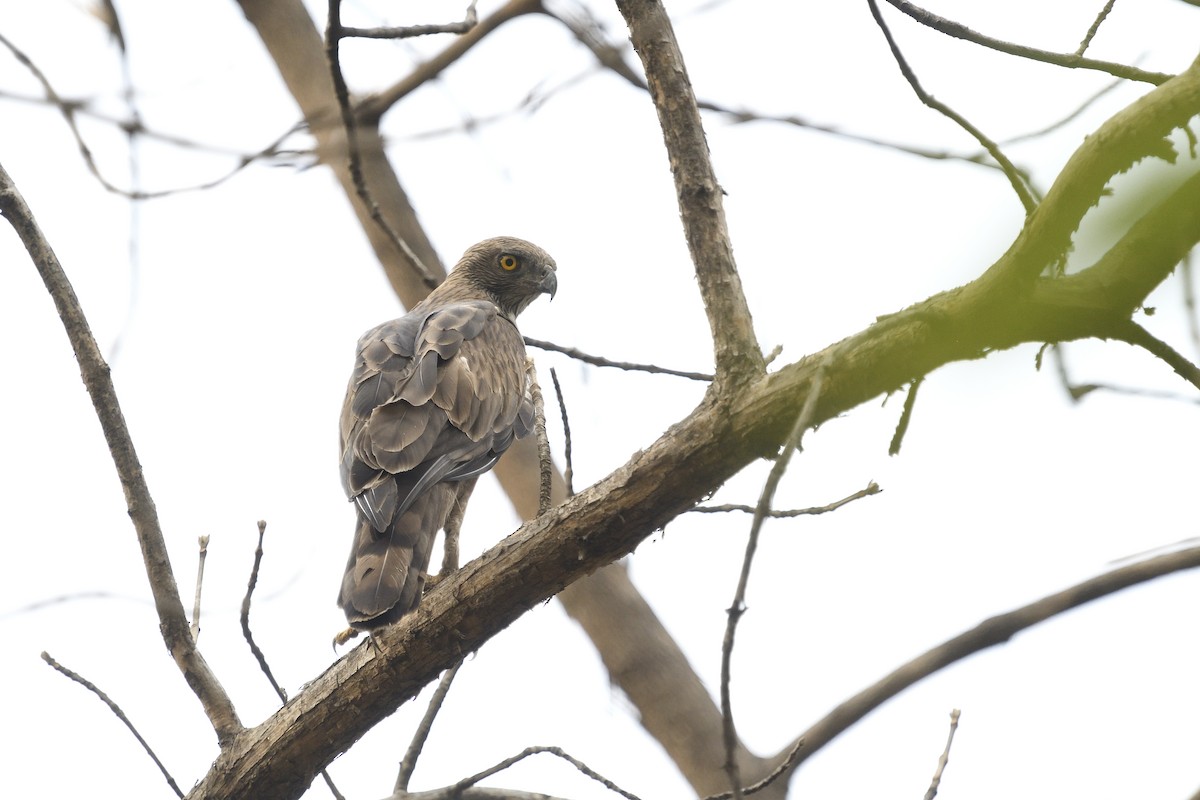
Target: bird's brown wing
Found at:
435, 397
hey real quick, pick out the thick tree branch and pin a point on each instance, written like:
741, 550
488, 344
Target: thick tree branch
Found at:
738, 355
172, 618
1136, 132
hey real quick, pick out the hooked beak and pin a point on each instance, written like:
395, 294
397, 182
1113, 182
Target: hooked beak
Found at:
549, 284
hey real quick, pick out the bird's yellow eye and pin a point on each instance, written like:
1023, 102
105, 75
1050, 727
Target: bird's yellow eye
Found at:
509, 263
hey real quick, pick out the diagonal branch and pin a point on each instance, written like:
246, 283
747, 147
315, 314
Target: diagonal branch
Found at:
1015, 178
116, 709
96, 377
1069, 60
989, 633
1138, 131
738, 355
371, 109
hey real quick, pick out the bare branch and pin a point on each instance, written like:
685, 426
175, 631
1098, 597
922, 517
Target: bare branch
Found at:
372, 108
1018, 181
410, 31
610, 56
195, 629
1091, 33
1078, 391
473, 793
872, 488
558, 752
73, 597
932, 791
91, 687
784, 768
172, 618
245, 616
421, 735
910, 400
738, 355
568, 468
989, 633
1138, 336
333, 37
259, 656
1075, 113
1069, 60
599, 361
804, 421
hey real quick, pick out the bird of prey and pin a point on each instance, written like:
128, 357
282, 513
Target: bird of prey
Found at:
435, 398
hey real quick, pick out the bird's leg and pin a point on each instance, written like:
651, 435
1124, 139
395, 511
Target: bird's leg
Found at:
452, 527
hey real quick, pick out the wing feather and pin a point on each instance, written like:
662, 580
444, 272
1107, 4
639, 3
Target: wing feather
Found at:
435, 395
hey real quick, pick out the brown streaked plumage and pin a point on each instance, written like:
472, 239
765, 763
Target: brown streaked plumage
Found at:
435, 398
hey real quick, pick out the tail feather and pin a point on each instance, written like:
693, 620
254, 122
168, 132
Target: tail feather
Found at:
386, 571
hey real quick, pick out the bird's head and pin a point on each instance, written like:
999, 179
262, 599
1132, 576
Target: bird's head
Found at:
511, 272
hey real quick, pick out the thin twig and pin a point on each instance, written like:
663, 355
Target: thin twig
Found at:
1015, 178
872, 488
598, 361
610, 56
1069, 60
530, 751
410, 31
71, 108
1138, 336
784, 768
545, 464
421, 735
945, 757
245, 616
803, 421
173, 623
373, 107
72, 597
333, 35
91, 687
905, 417
568, 467
254, 648
1091, 33
1075, 113
199, 584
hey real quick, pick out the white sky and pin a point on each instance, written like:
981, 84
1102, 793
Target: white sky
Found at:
237, 326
